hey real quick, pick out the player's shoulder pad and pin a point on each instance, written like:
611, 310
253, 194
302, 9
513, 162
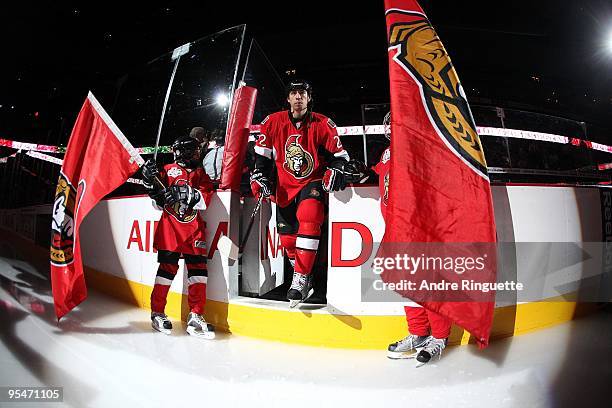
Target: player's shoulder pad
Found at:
280, 115
324, 119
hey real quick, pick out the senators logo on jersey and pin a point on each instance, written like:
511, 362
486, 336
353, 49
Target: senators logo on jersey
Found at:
175, 172
62, 223
298, 162
422, 54
180, 210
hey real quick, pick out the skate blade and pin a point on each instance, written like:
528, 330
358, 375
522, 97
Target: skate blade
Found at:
207, 335
421, 364
294, 303
403, 355
394, 355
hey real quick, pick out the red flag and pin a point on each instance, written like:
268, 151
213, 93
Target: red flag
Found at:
98, 159
439, 189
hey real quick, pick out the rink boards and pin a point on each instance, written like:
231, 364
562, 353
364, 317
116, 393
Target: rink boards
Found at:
117, 240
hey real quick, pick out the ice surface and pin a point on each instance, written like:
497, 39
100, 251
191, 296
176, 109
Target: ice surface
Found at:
105, 354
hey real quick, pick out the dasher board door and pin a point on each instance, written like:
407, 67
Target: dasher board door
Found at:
262, 260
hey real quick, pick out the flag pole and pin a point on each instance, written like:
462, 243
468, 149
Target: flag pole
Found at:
178, 52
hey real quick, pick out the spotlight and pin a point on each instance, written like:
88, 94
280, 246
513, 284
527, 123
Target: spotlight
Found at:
222, 99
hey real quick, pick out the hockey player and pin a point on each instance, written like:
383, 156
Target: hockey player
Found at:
180, 231
304, 149
428, 331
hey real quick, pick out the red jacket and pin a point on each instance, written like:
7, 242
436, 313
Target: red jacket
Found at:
182, 229
296, 150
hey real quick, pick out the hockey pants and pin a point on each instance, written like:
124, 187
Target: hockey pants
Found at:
301, 247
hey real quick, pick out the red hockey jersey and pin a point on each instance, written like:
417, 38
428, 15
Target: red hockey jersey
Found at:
295, 150
182, 229
382, 169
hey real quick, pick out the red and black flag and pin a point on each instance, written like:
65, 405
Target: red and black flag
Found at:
98, 159
439, 190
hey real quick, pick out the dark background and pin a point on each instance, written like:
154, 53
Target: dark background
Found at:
544, 56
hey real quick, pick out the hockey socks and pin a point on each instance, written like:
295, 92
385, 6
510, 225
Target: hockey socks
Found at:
165, 274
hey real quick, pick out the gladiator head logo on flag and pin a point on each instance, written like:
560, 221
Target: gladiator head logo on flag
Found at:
422, 55
298, 162
385, 197
438, 191
62, 225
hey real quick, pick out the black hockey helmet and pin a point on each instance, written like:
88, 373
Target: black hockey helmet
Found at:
298, 84
186, 150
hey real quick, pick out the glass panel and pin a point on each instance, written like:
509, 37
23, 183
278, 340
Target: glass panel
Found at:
204, 74
138, 108
538, 122
486, 116
140, 99
496, 151
372, 114
601, 161
200, 94
259, 73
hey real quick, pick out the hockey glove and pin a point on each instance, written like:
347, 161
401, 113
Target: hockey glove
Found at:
260, 184
185, 194
149, 172
333, 178
355, 171
159, 196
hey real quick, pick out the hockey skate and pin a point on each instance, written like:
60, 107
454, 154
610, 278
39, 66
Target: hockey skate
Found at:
408, 347
197, 326
160, 322
300, 290
432, 349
